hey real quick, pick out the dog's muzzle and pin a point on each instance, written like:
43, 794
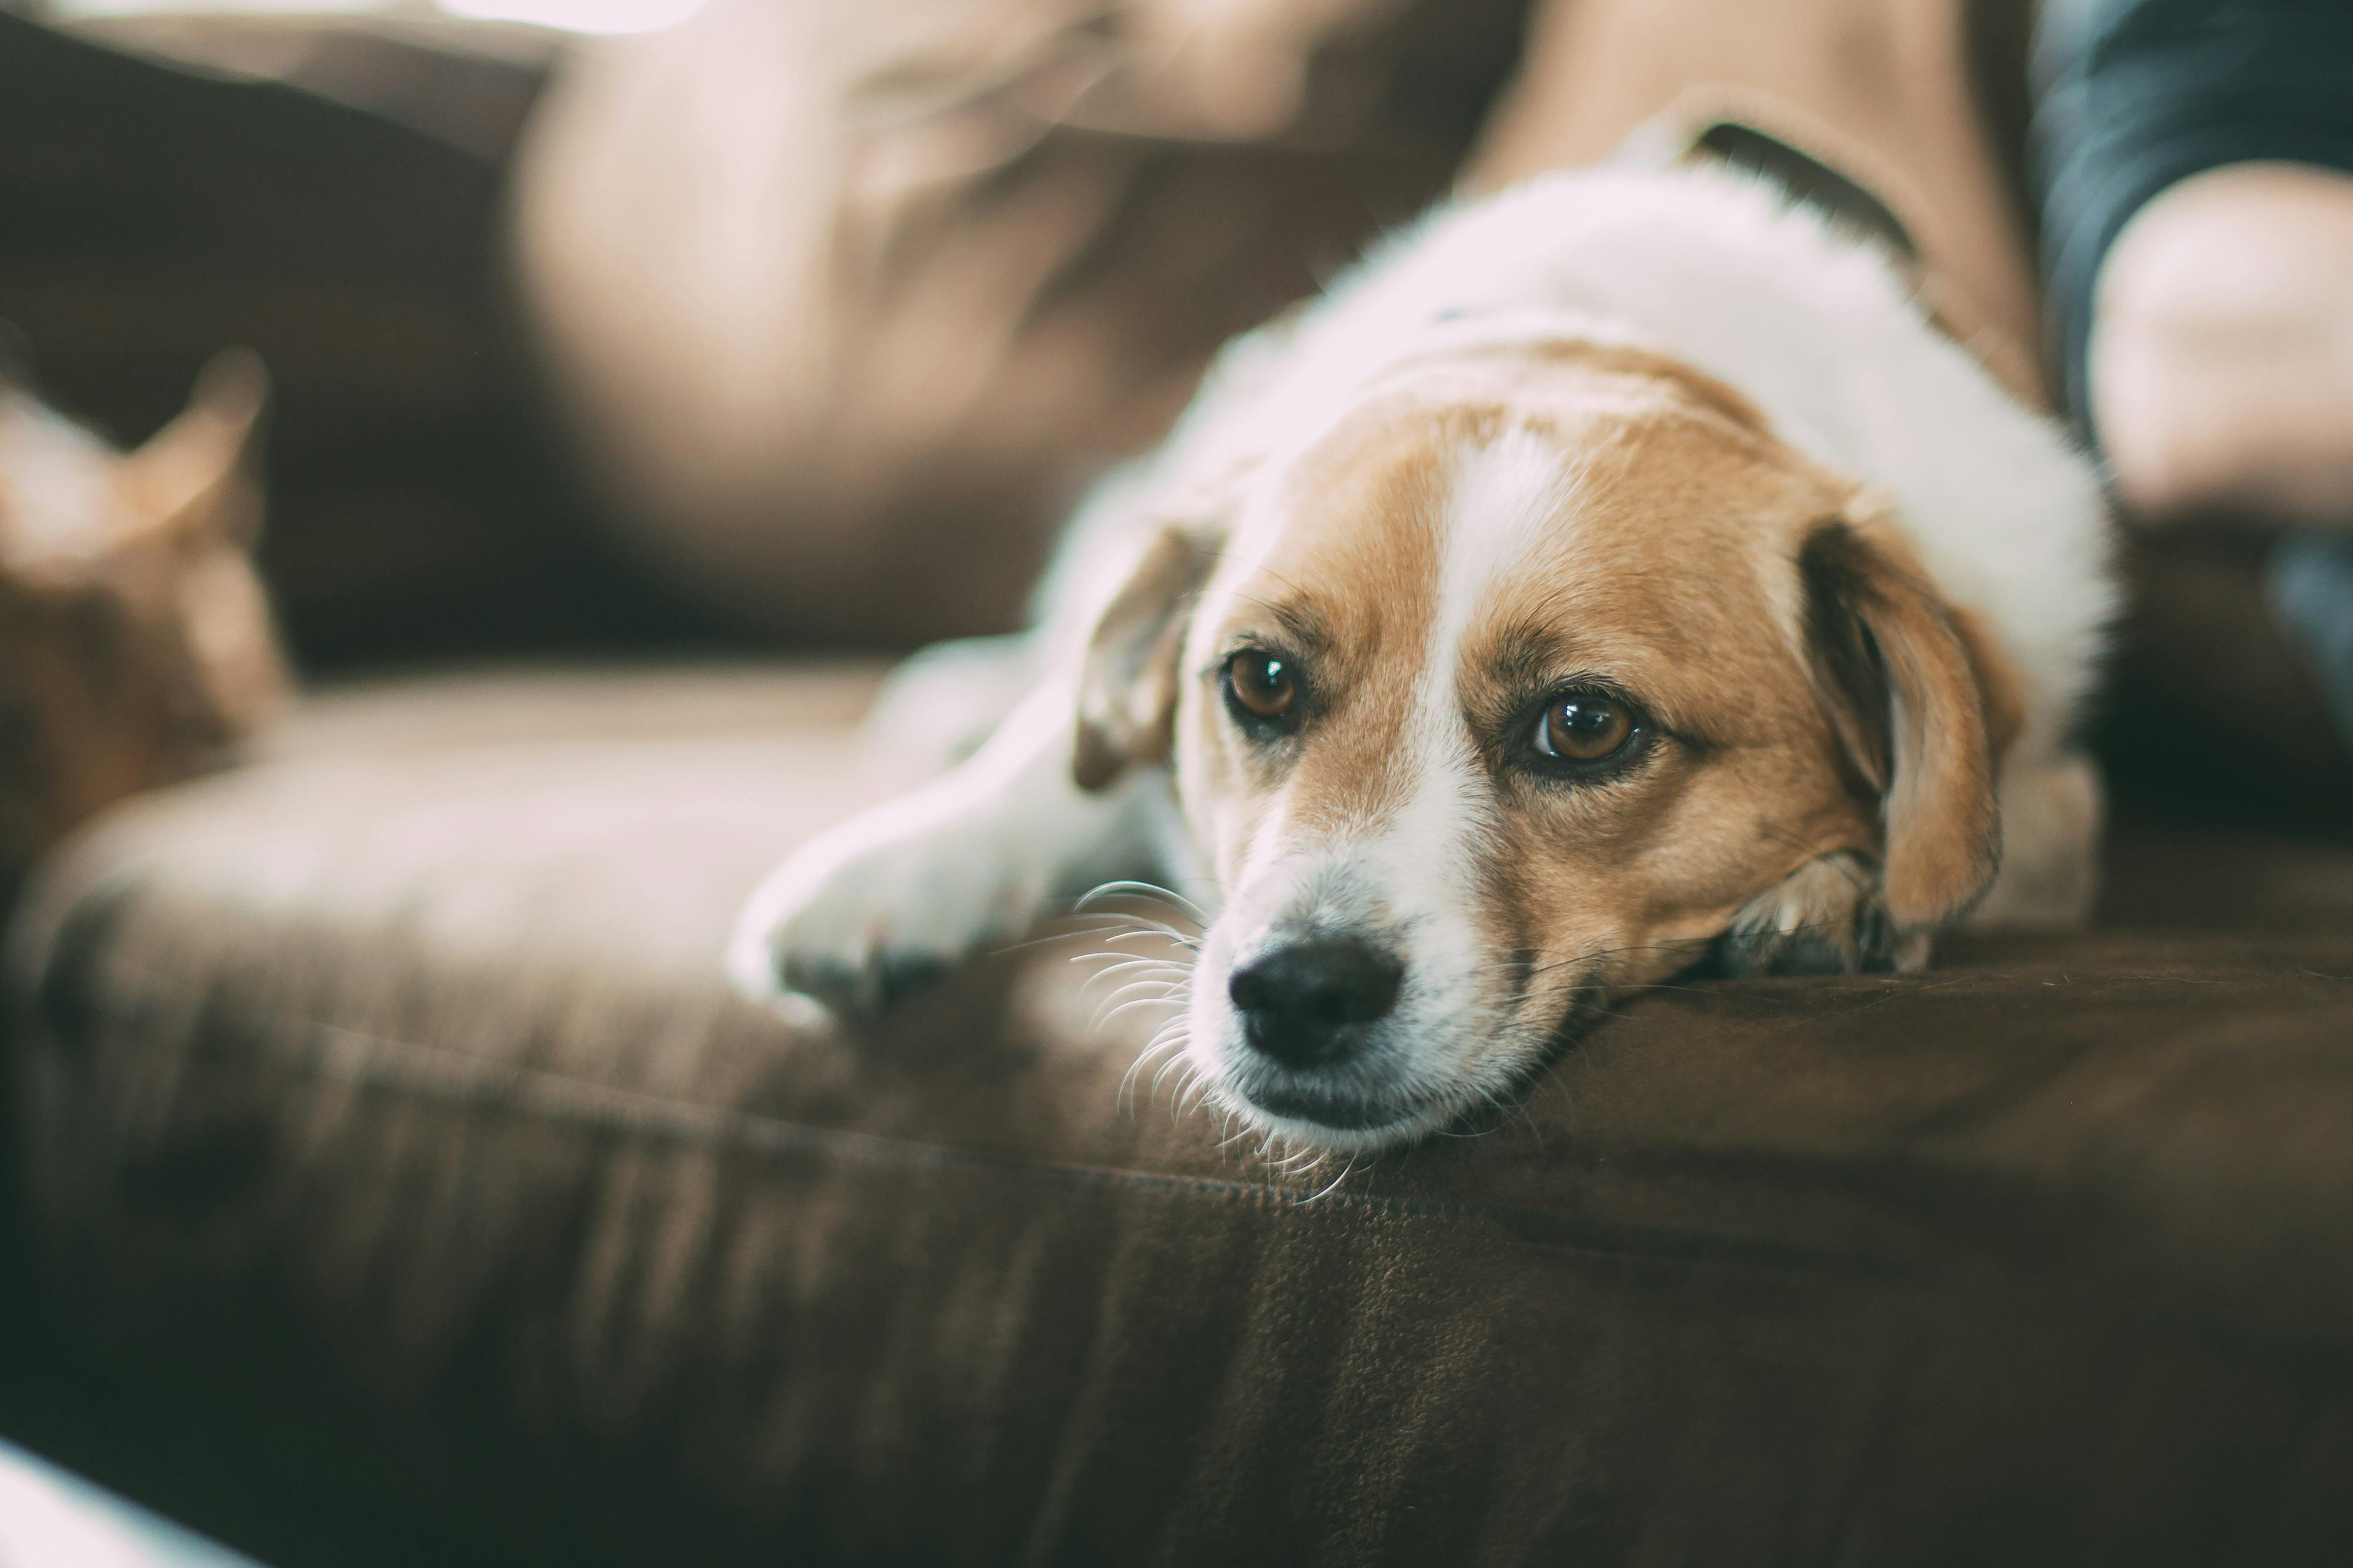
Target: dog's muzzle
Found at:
1314, 1014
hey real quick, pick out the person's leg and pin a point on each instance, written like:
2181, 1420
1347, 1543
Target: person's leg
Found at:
2198, 162
847, 302
2220, 368
2309, 580
1888, 92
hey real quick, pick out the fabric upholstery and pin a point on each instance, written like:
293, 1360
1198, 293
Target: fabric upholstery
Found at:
382, 1102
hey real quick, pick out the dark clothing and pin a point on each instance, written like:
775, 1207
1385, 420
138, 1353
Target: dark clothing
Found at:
2135, 95
2310, 579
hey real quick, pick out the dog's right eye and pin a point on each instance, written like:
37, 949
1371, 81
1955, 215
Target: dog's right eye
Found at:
1260, 687
1583, 727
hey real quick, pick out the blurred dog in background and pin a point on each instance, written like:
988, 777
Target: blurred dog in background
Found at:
136, 645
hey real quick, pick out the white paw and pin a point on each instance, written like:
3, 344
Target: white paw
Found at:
877, 909
2051, 815
1823, 918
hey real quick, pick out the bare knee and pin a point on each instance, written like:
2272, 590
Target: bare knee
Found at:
2221, 352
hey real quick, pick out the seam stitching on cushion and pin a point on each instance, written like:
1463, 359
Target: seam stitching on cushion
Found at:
361, 1059
459, 1078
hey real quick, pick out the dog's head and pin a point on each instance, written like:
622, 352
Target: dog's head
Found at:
1545, 672
136, 644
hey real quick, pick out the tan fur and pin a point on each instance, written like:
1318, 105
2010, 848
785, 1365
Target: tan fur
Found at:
1914, 710
136, 646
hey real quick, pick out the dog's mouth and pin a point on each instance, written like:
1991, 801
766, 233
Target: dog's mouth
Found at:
1338, 1109
1359, 1114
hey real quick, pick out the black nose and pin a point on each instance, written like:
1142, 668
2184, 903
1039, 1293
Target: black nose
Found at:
1300, 1004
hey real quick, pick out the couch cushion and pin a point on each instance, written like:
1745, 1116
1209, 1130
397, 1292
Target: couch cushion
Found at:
402, 1060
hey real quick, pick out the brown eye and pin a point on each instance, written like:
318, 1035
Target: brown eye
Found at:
1261, 684
1583, 727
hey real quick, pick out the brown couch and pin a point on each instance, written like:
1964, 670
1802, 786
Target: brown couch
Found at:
386, 1120
394, 1180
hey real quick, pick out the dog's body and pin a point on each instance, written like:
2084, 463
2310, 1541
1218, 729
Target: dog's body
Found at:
1615, 572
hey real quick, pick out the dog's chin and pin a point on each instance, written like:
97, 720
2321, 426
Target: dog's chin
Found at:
1348, 1121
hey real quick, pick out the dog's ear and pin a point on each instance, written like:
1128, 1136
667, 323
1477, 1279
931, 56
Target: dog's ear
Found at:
1915, 712
1128, 680
194, 479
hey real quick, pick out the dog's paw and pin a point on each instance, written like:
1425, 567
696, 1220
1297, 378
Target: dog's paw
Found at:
1824, 917
862, 918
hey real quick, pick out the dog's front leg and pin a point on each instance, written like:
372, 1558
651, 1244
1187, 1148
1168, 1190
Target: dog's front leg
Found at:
870, 911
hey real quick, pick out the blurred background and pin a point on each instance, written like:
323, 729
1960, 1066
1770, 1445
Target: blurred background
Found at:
322, 184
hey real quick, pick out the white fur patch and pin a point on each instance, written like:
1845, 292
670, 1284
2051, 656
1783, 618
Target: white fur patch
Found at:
1507, 495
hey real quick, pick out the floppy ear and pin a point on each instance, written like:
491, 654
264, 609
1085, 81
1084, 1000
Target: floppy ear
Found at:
1128, 680
1895, 673
191, 480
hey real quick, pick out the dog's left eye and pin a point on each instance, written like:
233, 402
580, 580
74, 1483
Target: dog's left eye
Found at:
1262, 685
1583, 727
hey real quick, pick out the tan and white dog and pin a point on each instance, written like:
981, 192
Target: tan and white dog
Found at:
1616, 574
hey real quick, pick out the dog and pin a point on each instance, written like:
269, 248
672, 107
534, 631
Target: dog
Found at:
137, 645
1617, 575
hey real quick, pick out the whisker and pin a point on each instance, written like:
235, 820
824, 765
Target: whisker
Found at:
1127, 964
1102, 922
1135, 985
1139, 929
1334, 1185
1149, 890
1175, 1064
1125, 1097
1160, 1001
1163, 933
1118, 1001
1197, 1088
